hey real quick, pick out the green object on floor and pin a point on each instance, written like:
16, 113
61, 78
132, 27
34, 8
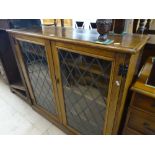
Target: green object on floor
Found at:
106, 42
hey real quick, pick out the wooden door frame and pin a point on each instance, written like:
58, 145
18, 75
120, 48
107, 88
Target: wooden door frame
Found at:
114, 94
46, 44
115, 58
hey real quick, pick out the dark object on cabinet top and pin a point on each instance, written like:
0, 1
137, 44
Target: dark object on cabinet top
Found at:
127, 43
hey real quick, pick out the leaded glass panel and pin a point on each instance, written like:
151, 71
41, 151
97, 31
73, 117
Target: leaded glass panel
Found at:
85, 82
36, 62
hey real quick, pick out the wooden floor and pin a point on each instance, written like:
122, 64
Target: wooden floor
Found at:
17, 117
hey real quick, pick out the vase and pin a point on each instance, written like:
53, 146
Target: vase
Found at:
103, 28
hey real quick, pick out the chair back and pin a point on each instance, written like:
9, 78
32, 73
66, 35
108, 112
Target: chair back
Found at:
79, 24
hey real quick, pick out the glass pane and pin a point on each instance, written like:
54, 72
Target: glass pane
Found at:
36, 63
85, 83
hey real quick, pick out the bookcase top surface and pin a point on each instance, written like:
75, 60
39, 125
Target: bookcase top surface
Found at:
128, 43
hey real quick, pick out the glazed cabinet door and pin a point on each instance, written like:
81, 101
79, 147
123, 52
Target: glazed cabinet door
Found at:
86, 85
35, 58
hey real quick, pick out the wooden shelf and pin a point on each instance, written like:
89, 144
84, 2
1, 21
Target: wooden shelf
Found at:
88, 79
89, 96
20, 93
93, 69
36, 53
18, 85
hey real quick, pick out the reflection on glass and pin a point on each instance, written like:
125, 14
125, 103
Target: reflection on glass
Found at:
85, 83
36, 63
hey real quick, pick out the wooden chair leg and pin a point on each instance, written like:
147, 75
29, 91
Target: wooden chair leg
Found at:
62, 22
55, 22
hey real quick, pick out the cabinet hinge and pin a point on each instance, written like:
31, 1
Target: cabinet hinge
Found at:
123, 69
